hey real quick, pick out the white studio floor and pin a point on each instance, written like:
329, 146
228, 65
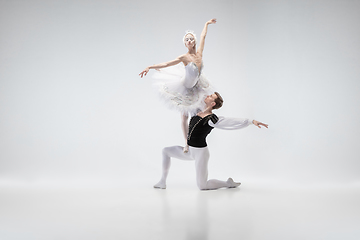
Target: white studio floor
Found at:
253, 211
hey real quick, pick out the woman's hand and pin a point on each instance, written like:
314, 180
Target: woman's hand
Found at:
259, 124
212, 21
143, 73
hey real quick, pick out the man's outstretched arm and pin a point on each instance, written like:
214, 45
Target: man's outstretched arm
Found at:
235, 123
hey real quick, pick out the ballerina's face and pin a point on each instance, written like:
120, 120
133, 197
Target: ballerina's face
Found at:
189, 41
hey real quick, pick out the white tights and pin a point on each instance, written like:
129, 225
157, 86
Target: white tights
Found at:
201, 157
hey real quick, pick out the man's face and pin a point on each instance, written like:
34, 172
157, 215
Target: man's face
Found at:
210, 99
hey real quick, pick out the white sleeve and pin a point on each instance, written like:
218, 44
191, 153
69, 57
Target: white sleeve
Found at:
230, 123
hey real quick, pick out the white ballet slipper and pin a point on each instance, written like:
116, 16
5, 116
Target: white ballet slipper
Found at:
160, 185
232, 184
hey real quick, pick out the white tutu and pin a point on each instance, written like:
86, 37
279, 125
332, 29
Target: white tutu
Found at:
183, 87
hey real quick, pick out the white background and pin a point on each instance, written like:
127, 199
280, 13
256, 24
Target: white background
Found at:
73, 107
81, 133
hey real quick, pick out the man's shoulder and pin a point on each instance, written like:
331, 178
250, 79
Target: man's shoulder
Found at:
213, 118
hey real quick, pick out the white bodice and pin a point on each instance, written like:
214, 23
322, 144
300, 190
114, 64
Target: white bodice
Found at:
192, 74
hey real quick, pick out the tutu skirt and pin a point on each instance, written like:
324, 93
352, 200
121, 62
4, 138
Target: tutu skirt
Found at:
182, 88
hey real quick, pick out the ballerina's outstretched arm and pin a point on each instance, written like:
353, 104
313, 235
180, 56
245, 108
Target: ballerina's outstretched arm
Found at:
162, 65
203, 35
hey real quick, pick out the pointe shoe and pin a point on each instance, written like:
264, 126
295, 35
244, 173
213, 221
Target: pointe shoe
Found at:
160, 185
186, 149
232, 184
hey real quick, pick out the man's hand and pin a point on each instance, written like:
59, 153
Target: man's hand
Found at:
259, 124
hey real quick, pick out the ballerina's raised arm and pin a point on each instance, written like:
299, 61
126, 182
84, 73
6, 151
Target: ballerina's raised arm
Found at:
203, 35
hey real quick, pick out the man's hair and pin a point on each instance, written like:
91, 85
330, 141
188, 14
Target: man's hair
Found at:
219, 101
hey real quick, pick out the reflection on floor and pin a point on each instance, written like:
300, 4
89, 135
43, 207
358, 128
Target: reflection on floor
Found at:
252, 211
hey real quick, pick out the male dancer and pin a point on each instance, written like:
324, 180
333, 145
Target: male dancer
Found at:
200, 126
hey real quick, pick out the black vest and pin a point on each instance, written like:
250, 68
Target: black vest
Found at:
199, 129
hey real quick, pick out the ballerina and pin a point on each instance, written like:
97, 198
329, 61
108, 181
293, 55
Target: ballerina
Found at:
190, 87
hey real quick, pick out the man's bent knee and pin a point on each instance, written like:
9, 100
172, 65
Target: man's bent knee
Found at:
202, 186
165, 150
